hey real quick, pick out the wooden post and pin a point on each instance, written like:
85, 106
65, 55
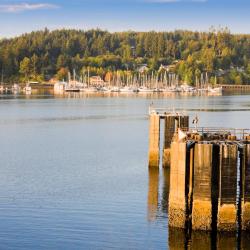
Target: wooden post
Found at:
154, 140
178, 185
168, 136
172, 123
245, 202
227, 211
202, 192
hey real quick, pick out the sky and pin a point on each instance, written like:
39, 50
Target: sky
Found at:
18, 16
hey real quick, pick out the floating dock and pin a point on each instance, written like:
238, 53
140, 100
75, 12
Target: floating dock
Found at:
209, 172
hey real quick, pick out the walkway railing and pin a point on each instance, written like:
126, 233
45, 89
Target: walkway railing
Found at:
239, 133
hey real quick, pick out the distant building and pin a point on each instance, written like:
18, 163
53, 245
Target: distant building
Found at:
108, 77
96, 80
33, 82
53, 80
167, 67
238, 69
221, 72
143, 68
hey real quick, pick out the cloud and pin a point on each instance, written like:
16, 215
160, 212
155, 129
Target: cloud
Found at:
20, 7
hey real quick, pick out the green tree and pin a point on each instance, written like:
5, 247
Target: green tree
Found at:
62, 74
25, 68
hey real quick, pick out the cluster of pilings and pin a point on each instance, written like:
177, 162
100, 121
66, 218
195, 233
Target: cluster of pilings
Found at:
209, 175
173, 121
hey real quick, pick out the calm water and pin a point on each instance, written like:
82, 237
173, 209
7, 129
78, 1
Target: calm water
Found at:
74, 172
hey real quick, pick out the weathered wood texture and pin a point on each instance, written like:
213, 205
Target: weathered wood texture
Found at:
202, 192
227, 211
245, 202
154, 140
178, 186
169, 131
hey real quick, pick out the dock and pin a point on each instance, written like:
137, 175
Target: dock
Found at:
209, 172
234, 87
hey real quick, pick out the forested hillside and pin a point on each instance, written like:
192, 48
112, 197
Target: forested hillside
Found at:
43, 54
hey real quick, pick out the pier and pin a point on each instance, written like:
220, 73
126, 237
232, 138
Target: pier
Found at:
235, 87
172, 121
209, 172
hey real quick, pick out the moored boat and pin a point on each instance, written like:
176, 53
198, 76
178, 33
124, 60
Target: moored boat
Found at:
27, 89
16, 88
126, 89
145, 90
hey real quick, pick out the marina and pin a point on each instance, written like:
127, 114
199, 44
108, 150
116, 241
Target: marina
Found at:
136, 83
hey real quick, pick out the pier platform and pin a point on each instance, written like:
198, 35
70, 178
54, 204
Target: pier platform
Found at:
209, 172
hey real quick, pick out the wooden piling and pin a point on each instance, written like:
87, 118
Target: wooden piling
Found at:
154, 140
245, 201
227, 211
178, 185
202, 192
170, 129
168, 136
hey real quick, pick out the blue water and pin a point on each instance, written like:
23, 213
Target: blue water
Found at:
74, 169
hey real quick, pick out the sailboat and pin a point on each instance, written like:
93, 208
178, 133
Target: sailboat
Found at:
215, 90
144, 89
27, 89
89, 89
126, 89
71, 87
16, 88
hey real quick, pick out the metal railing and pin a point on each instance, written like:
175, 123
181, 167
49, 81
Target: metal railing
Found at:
166, 111
239, 133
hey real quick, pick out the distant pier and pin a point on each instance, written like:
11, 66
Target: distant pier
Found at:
235, 87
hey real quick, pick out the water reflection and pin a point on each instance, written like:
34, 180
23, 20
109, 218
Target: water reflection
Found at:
165, 190
158, 199
197, 240
153, 186
227, 241
245, 241
61, 94
158, 193
180, 239
200, 240
177, 239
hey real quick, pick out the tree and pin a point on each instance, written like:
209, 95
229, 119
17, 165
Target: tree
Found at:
25, 68
49, 51
238, 80
62, 74
34, 65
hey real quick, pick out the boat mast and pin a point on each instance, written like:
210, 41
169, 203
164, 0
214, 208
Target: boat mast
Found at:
88, 78
2, 77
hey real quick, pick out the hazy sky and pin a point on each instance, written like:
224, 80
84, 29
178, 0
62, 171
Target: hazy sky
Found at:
20, 16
